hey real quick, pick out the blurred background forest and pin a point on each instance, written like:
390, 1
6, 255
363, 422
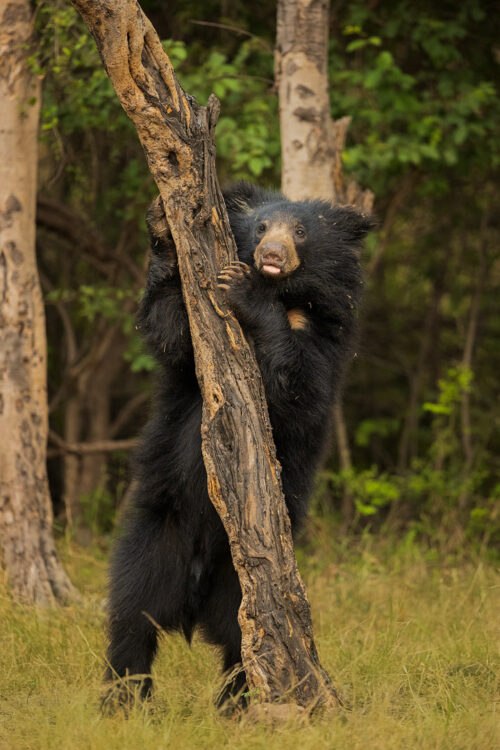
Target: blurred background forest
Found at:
421, 399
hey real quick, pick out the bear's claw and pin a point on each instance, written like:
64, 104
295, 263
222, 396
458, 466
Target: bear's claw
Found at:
233, 272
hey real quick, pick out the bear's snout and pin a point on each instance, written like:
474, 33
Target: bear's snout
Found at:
273, 252
273, 257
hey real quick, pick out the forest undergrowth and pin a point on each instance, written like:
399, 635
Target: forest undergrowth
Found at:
409, 635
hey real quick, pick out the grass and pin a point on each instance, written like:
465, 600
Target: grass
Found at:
410, 639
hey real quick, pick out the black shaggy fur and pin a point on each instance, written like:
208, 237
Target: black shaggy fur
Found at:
172, 566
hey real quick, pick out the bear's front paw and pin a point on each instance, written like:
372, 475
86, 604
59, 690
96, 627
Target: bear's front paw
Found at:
234, 275
161, 239
236, 280
156, 219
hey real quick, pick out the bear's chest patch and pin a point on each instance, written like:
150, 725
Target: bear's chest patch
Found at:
297, 319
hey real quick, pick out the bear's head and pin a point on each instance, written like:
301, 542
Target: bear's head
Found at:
285, 239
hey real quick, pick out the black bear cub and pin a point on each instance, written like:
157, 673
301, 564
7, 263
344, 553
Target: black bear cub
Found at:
294, 290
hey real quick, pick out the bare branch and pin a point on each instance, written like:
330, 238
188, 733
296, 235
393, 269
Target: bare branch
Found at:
71, 225
99, 446
127, 412
237, 30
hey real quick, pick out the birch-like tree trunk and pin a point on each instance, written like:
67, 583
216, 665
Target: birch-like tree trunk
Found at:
307, 148
311, 142
26, 541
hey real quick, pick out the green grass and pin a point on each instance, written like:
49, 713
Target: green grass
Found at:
411, 641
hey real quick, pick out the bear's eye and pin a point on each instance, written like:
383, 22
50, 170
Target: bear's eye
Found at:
300, 232
261, 228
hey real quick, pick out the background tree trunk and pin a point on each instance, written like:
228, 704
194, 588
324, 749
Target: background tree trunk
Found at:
307, 148
311, 142
29, 555
278, 651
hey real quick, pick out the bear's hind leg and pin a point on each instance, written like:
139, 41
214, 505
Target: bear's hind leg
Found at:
132, 647
233, 692
220, 626
148, 585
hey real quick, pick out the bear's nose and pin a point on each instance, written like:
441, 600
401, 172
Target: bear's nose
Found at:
273, 252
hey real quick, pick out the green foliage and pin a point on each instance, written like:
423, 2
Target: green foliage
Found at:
369, 489
90, 303
439, 489
98, 509
382, 427
415, 98
445, 412
451, 389
247, 136
93, 301
67, 57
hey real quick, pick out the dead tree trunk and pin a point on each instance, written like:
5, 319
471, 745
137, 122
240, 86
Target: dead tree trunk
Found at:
311, 142
278, 651
33, 569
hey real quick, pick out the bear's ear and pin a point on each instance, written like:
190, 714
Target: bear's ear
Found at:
351, 224
243, 197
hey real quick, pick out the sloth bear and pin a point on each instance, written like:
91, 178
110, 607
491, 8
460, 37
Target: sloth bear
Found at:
294, 290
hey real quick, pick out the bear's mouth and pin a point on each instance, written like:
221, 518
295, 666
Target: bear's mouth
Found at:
270, 269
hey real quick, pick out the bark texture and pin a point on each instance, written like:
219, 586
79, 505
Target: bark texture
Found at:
278, 651
304, 105
311, 142
28, 552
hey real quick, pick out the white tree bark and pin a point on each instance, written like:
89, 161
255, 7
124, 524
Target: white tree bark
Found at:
311, 142
301, 74
26, 541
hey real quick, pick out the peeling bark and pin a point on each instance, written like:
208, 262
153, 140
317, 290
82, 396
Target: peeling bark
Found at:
28, 552
304, 104
278, 652
311, 142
